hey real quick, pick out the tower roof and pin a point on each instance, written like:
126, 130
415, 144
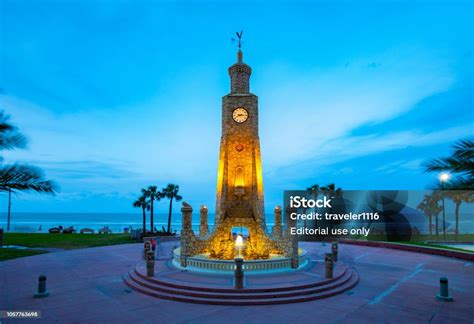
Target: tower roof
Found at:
240, 75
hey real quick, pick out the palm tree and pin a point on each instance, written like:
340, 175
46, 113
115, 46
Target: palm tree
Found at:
22, 177
331, 191
18, 177
313, 190
460, 164
144, 205
429, 205
152, 193
458, 197
423, 206
171, 192
10, 137
435, 208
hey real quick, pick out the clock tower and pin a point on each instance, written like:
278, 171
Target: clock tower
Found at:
239, 199
239, 181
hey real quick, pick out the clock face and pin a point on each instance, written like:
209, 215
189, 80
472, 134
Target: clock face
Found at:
240, 115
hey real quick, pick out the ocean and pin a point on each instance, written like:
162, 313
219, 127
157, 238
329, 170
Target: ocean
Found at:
117, 222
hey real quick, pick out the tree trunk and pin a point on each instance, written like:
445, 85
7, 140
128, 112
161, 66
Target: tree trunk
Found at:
431, 226
444, 221
144, 221
456, 231
436, 224
169, 214
9, 208
151, 216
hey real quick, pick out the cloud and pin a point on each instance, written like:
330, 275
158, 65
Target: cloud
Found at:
351, 147
302, 117
87, 169
307, 119
401, 165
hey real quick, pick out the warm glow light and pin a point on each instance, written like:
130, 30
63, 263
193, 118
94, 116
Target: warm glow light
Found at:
443, 177
239, 241
258, 167
239, 177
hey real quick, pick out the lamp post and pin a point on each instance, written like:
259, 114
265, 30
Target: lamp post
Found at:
443, 177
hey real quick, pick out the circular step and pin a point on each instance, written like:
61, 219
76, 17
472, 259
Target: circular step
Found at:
300, 286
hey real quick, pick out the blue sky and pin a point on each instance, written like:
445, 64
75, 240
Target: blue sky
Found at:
117, 95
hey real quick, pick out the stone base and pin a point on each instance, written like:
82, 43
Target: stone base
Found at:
205, 264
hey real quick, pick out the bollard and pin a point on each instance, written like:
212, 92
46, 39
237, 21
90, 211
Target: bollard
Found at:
334, 250
146, 248
239, 273
329, 265
443, 290
41, 287
150, 264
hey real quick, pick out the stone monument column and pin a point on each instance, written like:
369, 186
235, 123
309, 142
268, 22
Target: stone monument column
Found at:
277, 231
187, 234
203, 227
291, 246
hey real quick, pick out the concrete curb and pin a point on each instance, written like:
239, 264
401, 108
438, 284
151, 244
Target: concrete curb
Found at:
413, 248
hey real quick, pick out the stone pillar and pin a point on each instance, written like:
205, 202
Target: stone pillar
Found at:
291, 240
203, 228
150, 264
277, 231
146, 248
187, 235
328, 262
334, 250
295, 263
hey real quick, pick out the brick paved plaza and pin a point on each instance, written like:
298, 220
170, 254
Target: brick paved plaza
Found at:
86, 286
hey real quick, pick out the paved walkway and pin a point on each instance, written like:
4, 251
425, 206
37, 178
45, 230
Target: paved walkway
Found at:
86, 286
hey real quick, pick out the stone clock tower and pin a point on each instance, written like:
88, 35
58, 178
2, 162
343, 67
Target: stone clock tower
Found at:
239, 182
239, 201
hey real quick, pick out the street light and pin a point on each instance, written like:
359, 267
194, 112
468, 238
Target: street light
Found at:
444, 177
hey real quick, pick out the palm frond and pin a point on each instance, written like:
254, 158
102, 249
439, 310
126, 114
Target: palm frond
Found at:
25, 178
12, 140
464, 149
10, 137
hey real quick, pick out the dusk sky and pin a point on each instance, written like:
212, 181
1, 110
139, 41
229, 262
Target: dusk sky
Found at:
117, 95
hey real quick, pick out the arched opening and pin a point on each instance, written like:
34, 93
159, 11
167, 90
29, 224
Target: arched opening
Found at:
240, 230
239, 177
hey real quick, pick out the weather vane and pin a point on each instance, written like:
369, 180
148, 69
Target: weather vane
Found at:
239, 39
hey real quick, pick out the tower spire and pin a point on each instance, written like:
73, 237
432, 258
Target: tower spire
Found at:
239, 72
239, 45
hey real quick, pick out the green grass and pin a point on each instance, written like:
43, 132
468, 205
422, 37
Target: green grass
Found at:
424, 238
436, 246
65, 241
7, 254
